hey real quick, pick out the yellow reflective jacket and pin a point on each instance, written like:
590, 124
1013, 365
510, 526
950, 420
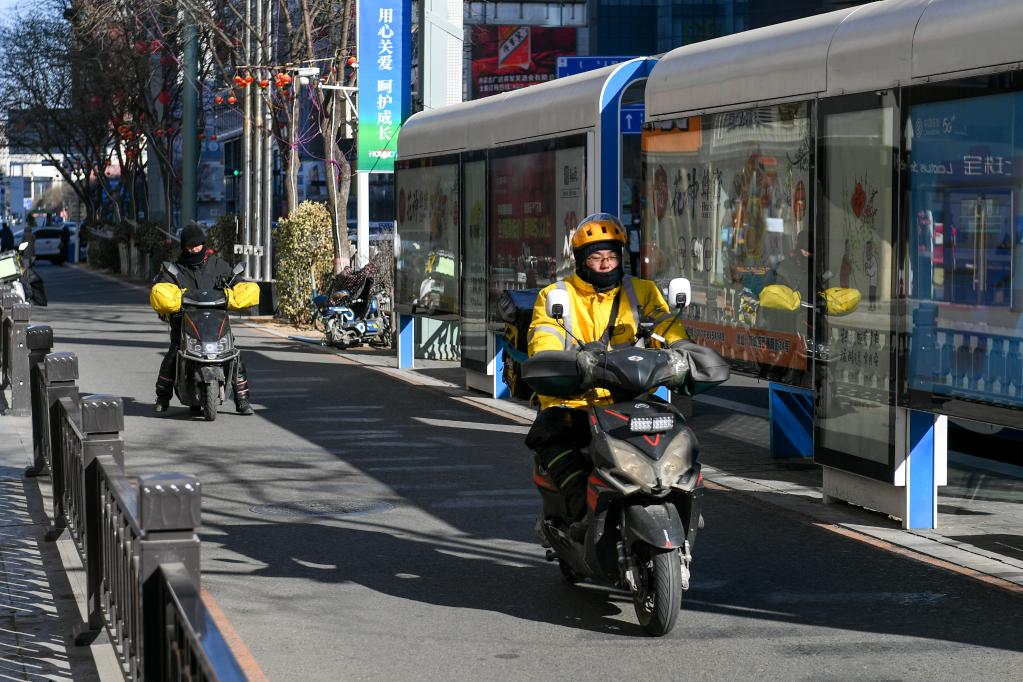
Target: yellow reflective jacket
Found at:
588, 319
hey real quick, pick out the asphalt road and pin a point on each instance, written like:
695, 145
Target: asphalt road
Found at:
440, 578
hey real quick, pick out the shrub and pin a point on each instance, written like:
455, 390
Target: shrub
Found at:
305, 254
102, 253
223, 236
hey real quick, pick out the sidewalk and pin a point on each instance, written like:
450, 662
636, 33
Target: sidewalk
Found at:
978, 538
41, 583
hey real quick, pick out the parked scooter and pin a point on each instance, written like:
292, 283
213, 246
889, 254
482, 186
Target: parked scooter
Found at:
18, 275
347, 323
207, 356
643, 493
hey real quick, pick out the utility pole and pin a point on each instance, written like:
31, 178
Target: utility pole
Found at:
244, 205
189, 119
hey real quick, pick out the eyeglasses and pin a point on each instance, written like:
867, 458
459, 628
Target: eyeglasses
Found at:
596, 259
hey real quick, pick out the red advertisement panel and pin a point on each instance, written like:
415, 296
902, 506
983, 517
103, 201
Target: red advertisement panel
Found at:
750, 344
522, 221
511, 57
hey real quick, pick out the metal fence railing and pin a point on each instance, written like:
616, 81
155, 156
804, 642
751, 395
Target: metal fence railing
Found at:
136, 535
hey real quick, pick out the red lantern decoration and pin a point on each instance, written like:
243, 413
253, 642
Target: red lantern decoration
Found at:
232, 100
141, 47
159, 132
213, 138
240, 81
264, 83
154, 46
164, 97
218, 99
352, 62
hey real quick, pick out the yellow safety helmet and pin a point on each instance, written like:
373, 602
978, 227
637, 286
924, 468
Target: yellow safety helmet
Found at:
598, 227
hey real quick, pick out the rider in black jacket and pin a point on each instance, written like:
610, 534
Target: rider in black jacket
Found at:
198, 269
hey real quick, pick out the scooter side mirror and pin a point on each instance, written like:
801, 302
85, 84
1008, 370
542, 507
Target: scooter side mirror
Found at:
557, 303
22, 246
238, 269
680, 292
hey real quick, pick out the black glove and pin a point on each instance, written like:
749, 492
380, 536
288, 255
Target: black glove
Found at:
707, 369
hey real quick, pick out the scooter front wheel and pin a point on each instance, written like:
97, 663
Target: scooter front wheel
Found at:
210, 398
658, 595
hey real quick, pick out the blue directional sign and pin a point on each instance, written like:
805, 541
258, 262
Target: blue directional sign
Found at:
568, 66
631, 120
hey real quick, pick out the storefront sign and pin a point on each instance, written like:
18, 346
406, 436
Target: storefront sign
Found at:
384, 72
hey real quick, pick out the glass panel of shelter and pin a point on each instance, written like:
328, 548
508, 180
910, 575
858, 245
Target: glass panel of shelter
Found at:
964, 162
727, 206
856, 257
474, 263
428, 224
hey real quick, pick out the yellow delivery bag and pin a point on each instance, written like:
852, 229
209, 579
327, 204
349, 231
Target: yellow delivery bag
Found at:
165, 298
242, 295
779, 297
841, 300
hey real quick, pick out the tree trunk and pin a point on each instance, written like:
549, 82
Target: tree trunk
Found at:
293, 156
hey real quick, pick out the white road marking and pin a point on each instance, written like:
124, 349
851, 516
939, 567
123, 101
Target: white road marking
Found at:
434, 468
476, 426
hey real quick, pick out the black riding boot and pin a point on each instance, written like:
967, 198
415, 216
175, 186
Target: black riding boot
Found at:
241, 390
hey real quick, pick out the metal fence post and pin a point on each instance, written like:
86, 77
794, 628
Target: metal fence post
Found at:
7, 301
102, 423
169, 514
16, 357
39, 338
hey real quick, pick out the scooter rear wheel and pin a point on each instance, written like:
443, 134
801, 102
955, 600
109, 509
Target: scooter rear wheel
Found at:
209, 404
659, 594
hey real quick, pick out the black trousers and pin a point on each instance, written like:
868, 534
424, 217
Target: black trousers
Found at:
168, 368
557, 438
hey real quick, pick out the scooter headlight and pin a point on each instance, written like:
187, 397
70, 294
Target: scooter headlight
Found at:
677, 461
224, 344
193, 345
631, 464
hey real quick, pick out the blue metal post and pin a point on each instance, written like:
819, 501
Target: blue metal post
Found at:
922, 474
406, 341
791, 411
501, 387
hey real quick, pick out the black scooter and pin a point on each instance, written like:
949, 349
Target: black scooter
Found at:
207, 356
643, 493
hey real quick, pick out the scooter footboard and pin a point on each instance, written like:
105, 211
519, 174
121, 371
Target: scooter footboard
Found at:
657, 525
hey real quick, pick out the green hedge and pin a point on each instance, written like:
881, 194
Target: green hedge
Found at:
305, 254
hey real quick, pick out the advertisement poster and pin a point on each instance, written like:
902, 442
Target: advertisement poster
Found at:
385, 64
474, 280
428, 224
522, 214
506, 58
570, 203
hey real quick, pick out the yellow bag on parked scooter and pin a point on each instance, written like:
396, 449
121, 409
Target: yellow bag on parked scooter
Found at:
242, 295
779, 297
165, 298
841, 300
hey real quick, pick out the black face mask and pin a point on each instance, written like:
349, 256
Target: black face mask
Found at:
193, 259
601, 281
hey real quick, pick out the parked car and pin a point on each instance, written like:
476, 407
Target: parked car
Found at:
48, 243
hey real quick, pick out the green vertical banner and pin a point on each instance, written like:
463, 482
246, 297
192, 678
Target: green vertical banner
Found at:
385, 77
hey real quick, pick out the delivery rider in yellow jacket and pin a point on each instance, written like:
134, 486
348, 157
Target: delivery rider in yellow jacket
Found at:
605, 311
